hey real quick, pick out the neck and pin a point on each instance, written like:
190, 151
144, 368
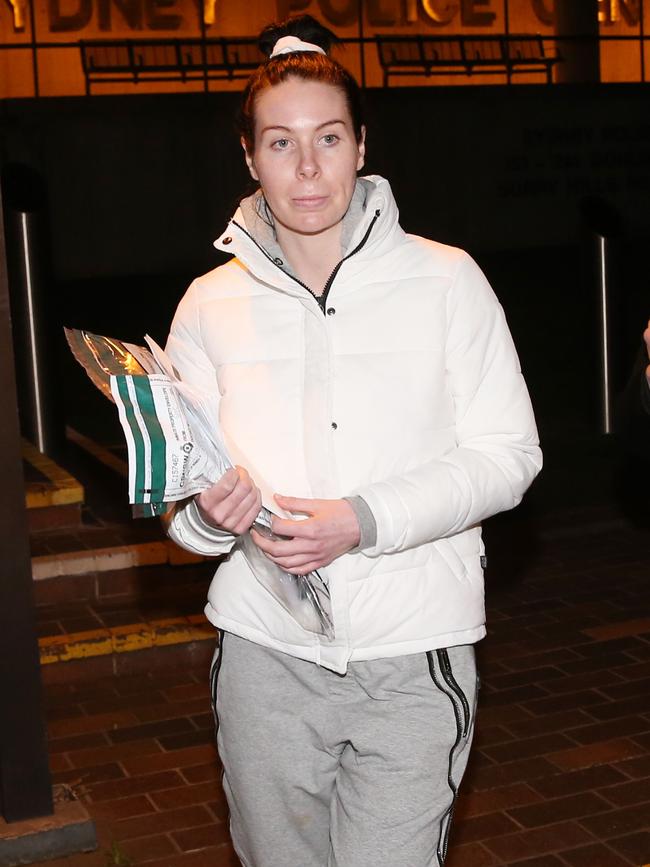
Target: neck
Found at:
312, 257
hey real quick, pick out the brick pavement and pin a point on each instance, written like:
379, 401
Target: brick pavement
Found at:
560, 774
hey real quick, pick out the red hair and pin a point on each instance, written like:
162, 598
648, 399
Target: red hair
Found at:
306, 65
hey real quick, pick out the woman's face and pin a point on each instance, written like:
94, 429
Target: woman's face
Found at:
306, 154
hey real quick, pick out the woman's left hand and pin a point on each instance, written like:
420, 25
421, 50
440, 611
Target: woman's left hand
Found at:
330, 529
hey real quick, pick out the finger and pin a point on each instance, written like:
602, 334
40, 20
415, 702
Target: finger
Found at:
220, 490
300, 529
304, 567
232, 507
233, 478
287, 555
262, 542
296, 504
299, 564
228, 510
280, 548
227, 482
245, 512
245, 523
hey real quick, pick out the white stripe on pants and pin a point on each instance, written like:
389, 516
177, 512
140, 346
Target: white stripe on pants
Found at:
322, 770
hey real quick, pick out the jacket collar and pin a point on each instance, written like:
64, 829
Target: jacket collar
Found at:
250, 237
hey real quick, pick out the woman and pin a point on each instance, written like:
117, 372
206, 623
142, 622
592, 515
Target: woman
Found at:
368, 378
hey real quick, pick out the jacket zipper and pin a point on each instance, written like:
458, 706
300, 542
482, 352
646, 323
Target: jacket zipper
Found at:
328, 285
270, 258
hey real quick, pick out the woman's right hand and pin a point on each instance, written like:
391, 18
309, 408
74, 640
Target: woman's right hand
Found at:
232, 503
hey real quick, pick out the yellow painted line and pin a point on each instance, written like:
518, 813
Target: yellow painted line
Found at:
103, 455
180, 630
79, 645
63, 490
125, 639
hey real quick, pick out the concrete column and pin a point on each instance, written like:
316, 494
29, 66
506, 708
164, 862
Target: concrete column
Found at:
577, 19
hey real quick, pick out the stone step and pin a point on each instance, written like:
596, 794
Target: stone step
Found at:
107, 572
113, 595
52, 496
149, 645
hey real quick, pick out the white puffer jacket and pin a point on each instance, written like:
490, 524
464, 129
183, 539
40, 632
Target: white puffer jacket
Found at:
407, 391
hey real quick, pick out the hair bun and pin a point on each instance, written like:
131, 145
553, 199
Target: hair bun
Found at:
304, 27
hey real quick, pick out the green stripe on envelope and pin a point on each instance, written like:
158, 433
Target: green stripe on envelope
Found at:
147, 406
138, 441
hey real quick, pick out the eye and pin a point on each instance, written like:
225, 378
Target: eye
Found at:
280, 144
330, 138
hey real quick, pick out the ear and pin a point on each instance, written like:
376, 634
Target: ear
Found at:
249, 160
362, 149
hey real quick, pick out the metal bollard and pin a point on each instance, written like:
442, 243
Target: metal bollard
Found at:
605, 225
604, 333
27, 258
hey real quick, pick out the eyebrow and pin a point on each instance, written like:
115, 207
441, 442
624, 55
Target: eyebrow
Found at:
279, 127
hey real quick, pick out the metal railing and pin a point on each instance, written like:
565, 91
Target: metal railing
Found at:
201, 67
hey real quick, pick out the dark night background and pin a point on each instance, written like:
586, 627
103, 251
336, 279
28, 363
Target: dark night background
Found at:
139, 186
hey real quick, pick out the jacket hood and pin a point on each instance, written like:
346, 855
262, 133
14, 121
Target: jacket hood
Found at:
250, 235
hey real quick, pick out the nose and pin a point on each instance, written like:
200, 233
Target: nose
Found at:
307, 163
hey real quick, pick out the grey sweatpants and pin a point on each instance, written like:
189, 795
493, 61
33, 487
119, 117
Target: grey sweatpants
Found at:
323, 770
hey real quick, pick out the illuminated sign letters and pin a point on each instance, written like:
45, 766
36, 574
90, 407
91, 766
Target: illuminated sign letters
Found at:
139, 15
545, 15
18, 8
342, 13
611, 11
440, 11
473, 13
209, 12
290, 7
131, 11
158, 19
473, 16
64, 21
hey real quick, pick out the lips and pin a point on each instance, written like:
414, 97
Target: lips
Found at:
309, 202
